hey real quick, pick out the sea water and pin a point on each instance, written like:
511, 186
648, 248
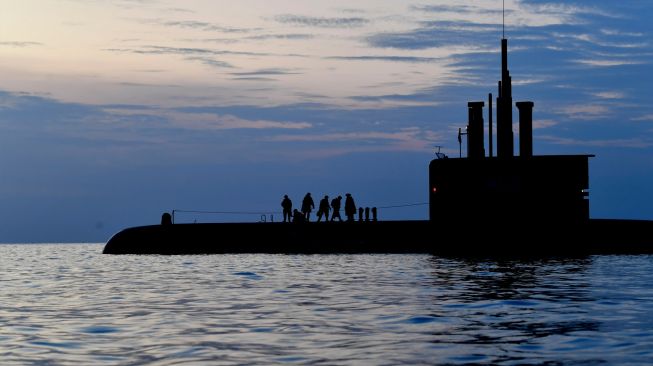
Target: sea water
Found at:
70, 304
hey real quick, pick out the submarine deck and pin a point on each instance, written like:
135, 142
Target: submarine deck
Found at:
594, 236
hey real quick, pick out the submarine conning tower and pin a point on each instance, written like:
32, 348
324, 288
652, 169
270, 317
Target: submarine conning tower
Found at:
507, 187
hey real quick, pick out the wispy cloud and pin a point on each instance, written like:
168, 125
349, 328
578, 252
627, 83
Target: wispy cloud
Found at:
179, 10
206, 121
165, 50
255, 38
270, 71
598, 39
19, 44
434, 34
609, 95
204, 26
288, 36
646, 117
465, 9
410, 59
342, 143
320, 22
638, 143
351, 10
146, 85
347, 136
541, 124
585, 112
566, 10
254, 78
211, 62
607, 63
619, 32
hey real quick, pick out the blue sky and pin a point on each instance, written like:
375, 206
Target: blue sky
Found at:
112, 112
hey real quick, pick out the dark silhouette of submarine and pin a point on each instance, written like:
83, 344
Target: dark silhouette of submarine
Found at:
479, 205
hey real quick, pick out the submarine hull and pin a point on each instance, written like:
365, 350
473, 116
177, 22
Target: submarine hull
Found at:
595, 236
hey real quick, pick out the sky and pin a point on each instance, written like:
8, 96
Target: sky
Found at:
115, 111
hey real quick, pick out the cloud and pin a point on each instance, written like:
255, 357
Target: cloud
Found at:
609, 95
202, 55
637, 143
146, 85
165, 50
413, 135
254, 78
528, 81
20, 44
348, 136
258, 37
192, 51
435, 34
179, 10
409, 139
399, 99
205, 26
410, 59
584, 34
541, 124
464, 9
206, 121
211, 62
320, 22
270, 71
607, 63
646, 117
351, 10
619, 32
564, 10
585, 111
289, 36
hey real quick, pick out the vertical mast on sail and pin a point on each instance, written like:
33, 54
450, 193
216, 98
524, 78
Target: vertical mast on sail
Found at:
505, 147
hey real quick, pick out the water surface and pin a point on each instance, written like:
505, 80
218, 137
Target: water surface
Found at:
69, 304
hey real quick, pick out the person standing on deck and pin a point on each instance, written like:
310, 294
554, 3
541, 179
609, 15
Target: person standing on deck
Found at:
287, 208
323, 209
307, 206
335, 205
350, 207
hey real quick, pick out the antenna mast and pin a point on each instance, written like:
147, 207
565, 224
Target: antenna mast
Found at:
503, 23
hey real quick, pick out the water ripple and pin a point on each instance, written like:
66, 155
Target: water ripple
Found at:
69, 305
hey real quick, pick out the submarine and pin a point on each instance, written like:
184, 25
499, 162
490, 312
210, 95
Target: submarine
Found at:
479, 205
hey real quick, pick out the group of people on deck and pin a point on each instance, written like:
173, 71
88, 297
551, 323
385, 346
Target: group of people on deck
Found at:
325, 206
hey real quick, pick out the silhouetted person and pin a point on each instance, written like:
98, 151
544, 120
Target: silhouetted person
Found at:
350, 207
373, 213
335, 205
287, 208
166, 219
298, 217
323, 209
307, 206
360, 214
367, 214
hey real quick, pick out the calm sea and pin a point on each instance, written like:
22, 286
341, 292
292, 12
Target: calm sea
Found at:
71, 305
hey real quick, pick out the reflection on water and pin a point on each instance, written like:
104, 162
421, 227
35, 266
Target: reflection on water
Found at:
68, 304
